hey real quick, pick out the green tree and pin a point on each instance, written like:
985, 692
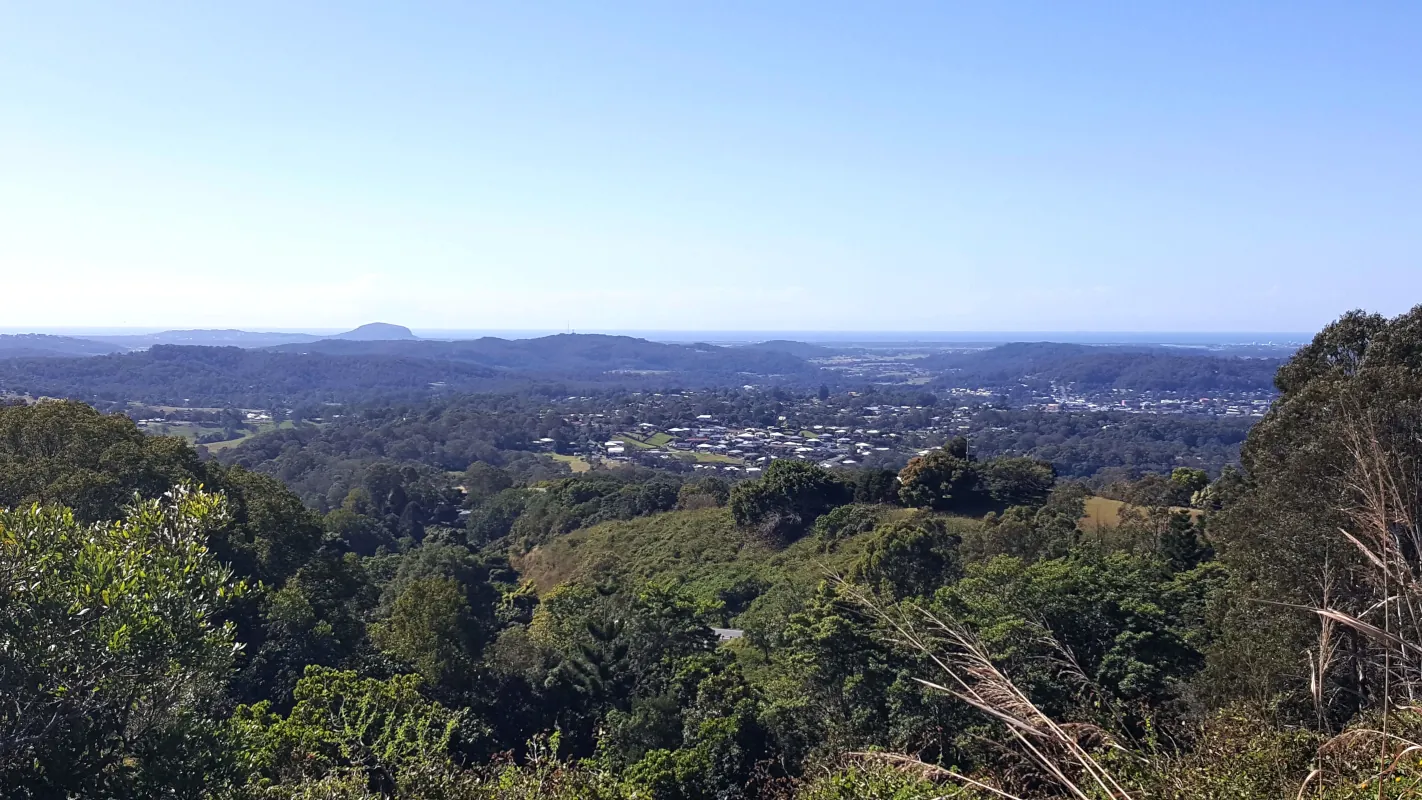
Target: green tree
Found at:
1018, 481
942, 479
362, 534
68, 454
1027, 533
1089, 637
844, 522
495, 518
704, 493
868, 782
876, 486
910, 558
840, 686
1222, 492
317, 616
347, 726
1355, 390
433, 629
482, 481
1186, 483
1180, 543
111, 649
269, 535
720, 745
784, 502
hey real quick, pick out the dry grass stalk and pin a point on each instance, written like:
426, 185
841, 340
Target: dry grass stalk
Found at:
930, 772
1382, 482
973, 678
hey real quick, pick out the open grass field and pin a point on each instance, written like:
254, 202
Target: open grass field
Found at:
575, 463
265, 427
1103, 513
660, 440
172, 409
646, 443
714, 458
186, 430
634, 442
217, 447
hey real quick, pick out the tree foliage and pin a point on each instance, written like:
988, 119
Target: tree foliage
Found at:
112, 649
233, 642
785, 501
343, 726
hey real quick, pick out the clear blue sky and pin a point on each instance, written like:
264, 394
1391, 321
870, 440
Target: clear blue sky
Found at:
821, 166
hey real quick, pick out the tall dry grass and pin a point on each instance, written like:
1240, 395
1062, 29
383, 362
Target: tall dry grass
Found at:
1061, 751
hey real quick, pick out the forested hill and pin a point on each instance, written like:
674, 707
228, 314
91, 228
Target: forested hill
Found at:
232, 377
576, 355
38, 345
366, 371
797, 349
1105, 367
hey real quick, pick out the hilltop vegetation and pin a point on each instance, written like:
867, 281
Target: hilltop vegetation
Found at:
576, 356
38, 345
1083, 445
42, 346
230, 376
1105, 367
389, 362
703, 552
358, 371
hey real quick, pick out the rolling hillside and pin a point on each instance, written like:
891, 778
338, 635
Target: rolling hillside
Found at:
347, 371
1105, 367
577, 355
38, 345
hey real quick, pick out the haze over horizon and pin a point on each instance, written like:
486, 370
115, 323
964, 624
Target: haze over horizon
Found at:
794, 167
1185, 338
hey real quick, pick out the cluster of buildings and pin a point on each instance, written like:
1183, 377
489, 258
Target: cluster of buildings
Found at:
659, 430
1225, 404
708, 445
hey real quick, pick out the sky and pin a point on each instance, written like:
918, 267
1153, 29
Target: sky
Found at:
687, 166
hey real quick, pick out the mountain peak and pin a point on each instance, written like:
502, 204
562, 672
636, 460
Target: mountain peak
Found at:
377, 332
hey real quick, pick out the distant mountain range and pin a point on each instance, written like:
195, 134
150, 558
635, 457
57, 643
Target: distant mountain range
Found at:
360, 369
576, 355
33, 345
208, 338
38, 345
797, 349
379, 361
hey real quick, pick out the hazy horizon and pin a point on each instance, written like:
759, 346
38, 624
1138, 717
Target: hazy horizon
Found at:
1183, 338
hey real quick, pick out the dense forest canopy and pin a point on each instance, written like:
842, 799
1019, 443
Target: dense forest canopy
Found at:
231, 376
39, 345
421, 600
1105, 367
1088, 444
575, 355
